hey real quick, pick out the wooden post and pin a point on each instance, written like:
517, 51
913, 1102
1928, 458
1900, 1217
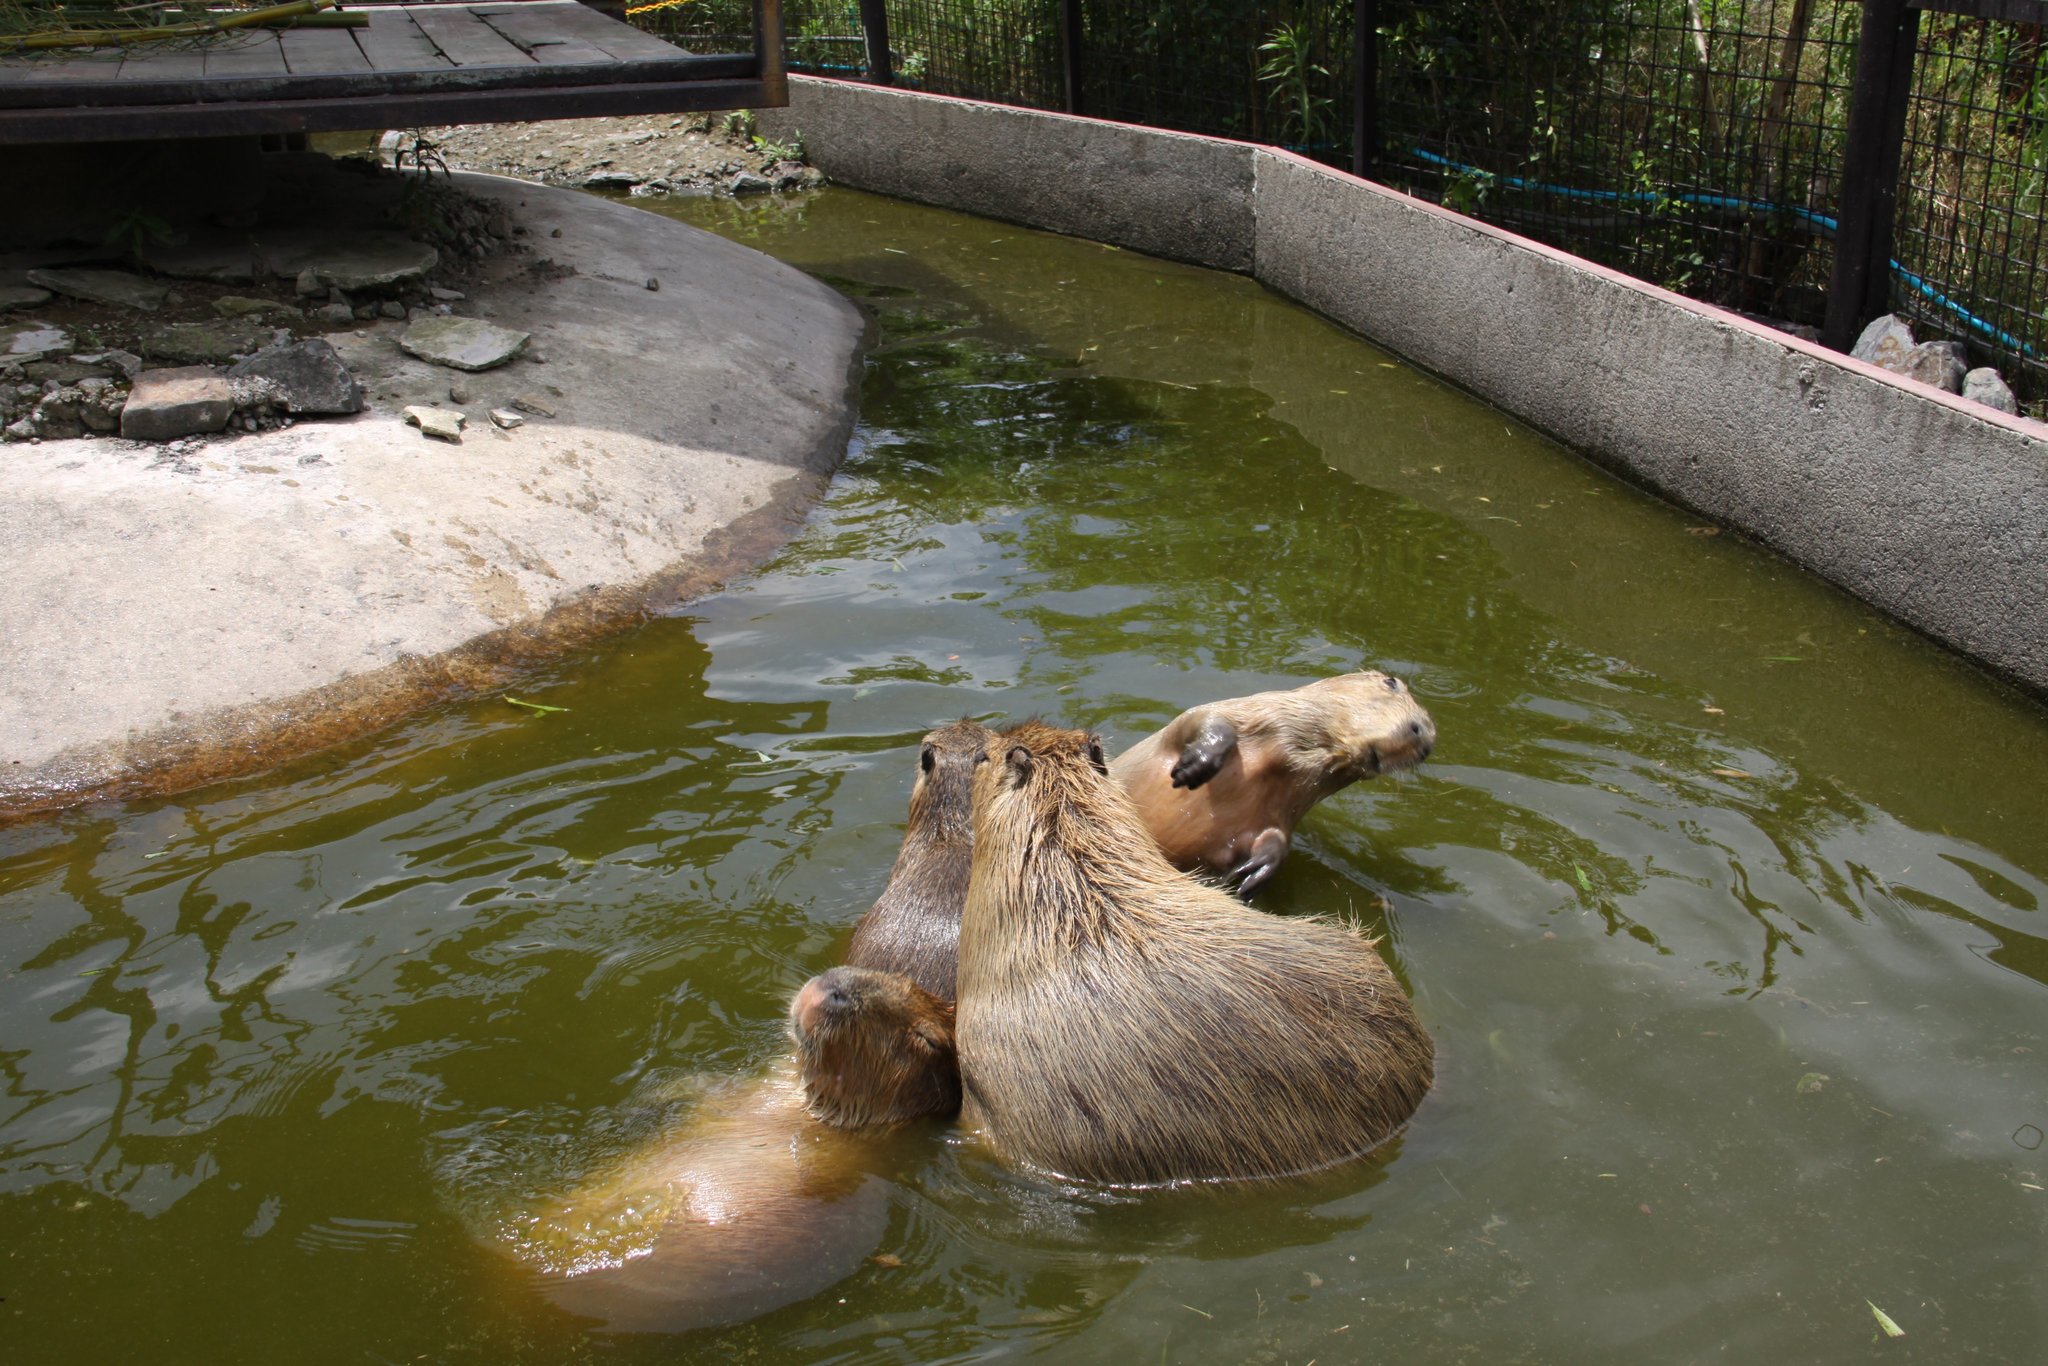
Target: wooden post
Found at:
1860, 287
874, 24
768, 53
1365, 81
1070, 54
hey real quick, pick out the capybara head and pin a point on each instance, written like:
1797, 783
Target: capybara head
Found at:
942, 800
873, 1048
1353, 726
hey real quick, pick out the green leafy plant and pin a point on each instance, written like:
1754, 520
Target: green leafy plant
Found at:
772, 151
1291, 70
136, 230
740, 123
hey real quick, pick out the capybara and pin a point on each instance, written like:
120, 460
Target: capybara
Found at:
1121, 1021
1222, 786
771, 1192
914, 928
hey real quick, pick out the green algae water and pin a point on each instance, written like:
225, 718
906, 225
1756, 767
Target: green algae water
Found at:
1721, 897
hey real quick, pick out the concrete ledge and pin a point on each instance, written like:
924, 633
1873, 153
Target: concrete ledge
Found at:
1930, 508
176, 615
1171, 194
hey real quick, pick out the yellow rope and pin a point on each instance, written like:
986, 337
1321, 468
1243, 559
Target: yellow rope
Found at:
658, 4
36, 42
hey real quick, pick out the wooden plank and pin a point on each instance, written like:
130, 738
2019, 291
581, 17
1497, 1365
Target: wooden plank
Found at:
321, 51
247, 53
393, 42
188, 64
24, 126
464, 39
537, 30
67, 68
573, 19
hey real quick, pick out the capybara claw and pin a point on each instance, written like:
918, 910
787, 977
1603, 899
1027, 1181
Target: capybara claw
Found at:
1202, 757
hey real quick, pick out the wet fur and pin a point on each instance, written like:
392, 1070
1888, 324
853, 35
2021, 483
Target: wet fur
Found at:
1119, 1021
914, 928
1287, 751
769, 1193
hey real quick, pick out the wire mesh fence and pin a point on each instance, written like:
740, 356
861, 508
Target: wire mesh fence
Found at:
1697, 144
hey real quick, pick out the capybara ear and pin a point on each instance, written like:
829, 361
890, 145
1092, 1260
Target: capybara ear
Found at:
1019, 760
927, 1037
927, 759
1095, 755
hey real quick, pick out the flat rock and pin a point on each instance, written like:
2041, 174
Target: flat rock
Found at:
311, 374
506, 418
444, 423
1885, 343
33, 339
1986, 386
204, 343
112, 362
464, 343
64, 371
367, 259
22, 296
167, 404
119, 288
241, 306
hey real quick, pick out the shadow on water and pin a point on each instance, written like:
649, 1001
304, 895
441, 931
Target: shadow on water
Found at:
1720, 896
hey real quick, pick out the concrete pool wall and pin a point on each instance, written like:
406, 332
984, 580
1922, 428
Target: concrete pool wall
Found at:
1930, 508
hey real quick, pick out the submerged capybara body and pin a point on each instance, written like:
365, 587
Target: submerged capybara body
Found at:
1121, 1021
914, 928
771, 1191
1222, 786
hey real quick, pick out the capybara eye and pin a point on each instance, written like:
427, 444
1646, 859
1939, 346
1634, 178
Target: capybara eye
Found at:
1095, 756
1393, 684
927, 759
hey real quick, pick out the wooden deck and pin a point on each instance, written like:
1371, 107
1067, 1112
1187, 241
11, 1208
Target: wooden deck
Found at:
413, 65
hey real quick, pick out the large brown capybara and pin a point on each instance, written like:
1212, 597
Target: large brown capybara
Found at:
914, 928
773, 1190
1121, 1021
1222, 786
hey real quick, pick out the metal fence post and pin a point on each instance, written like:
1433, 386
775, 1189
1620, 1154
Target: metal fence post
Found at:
874, 25
1860, 287
1070, 53
1365, 79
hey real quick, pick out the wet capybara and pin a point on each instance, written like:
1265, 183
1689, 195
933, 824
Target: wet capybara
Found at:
772, 1191
1222, 786
914, 928
1121, 1021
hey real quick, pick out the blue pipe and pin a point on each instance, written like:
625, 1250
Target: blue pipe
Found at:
1822, 221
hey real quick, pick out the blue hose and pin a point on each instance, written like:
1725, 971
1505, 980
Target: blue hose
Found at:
1822, 221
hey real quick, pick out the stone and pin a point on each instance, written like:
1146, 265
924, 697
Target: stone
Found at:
444, 424
203, 343
307, 283
653, 285
256, 395
362, 259
533, 403
123, 363
1884, 343
339, 314
446, 296
746, 182
506, 418
460, 393
462, 343
610, 180
119, 288
167, 404
391, 308
62, 371
33, 339
311, 375
1939, 363
241, 306
22, 296
1986, 386
365, 312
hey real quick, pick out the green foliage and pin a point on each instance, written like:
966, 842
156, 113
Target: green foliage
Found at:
771, 151
1291, 69
136, 230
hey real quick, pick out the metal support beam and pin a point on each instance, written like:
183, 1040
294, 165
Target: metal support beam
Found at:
1860, 287
874, 25
1365, 81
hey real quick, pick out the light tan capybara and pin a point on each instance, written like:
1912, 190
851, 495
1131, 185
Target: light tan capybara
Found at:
1222, 786
1121, 1021
772, 1191
914, 928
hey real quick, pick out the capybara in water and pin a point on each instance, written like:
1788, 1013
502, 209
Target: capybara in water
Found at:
914, 928
1121, 1021
1221, 786
771, 1191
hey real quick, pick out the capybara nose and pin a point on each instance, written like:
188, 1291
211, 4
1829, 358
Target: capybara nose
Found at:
816, 1001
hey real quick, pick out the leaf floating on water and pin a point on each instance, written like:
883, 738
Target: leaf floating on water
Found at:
1811, 1084
158, 854
1884, 1321
92, 972
1730, 773
888, 1259
540, 707
1585, 883
1782, 659
1713, 711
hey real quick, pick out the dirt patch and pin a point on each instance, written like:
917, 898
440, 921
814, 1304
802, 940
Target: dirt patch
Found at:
648, 155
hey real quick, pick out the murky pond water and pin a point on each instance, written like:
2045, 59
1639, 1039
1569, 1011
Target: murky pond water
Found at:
1722, 897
